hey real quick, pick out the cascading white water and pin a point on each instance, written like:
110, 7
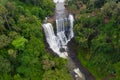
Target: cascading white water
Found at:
60, 40
71, 35
51, 38
61, 36
64, 31
55, 42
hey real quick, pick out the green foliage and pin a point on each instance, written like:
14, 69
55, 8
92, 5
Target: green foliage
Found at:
3, 10
117, 70
12, 53
5, 77
13, 35
39, 12
17, 77
4, 41
5, 66
56, 75
30, 26
47, 6
2, 28
22, 50
30, 68
99, 41
54, 67
19, 43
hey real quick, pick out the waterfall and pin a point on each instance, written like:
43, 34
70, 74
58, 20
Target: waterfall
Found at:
63, 35
55, 42
71, 35
64, 30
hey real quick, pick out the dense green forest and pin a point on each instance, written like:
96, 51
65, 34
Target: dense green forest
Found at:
22, 49
23, 55
97, 31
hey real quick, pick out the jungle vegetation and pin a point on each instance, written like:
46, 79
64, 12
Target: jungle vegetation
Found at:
97, 34
23, 55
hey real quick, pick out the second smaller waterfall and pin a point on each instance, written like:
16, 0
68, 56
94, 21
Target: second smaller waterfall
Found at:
71, 33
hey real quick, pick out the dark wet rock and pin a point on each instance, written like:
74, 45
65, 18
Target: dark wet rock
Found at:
73, 55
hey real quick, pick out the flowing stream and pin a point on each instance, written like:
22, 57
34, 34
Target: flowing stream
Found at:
64, 33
